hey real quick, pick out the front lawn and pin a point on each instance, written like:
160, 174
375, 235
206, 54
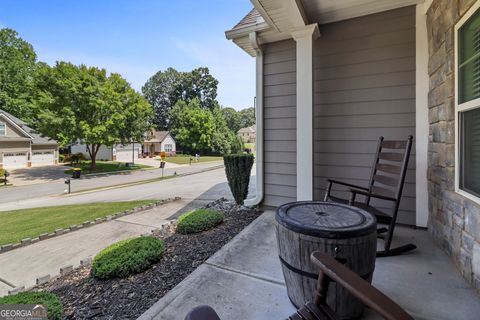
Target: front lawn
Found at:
186, 159
106, 166
30, 223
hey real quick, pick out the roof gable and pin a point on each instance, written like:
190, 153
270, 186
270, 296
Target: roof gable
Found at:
35, 137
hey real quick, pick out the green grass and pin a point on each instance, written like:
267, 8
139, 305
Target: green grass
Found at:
47, 299
249, 145
30, 223
186, 159
127, 257
106, 166
199, 220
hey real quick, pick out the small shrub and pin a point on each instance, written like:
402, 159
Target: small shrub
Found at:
238, 168
4, 173
127, 257
47, 299
75, 159
61, 158
199, 220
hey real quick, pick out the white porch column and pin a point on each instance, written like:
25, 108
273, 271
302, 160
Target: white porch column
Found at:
304, 38
421, 135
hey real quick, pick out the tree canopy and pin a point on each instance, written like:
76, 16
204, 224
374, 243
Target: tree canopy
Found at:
193, 126
17, 66
165, 88
80, 103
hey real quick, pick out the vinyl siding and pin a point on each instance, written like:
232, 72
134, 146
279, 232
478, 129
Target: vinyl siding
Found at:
364, 87
280, 123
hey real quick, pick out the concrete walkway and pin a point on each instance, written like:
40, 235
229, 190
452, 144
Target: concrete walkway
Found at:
244, 281
22, 266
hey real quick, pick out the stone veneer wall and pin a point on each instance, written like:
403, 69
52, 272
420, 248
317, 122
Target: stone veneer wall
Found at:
454, 220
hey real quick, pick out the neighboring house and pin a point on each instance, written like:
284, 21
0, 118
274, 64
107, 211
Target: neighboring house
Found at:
159, 141
22, 147
248, 134
118, 152
332, 76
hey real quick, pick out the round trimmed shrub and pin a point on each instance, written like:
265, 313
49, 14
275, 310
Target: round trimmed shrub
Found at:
47, 299
199, 220
127, 257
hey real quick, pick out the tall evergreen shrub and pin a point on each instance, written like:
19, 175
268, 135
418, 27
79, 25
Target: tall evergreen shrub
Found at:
238, 168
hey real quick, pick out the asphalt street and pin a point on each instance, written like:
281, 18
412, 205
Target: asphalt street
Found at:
57, 187
203, 186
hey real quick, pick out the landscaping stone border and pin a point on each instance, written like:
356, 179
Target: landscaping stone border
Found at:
164, 229
58, 232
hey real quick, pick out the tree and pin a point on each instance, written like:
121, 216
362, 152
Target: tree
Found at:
85, 104
17, 66
233, 119
193, 126
164, 89
247, 117
200, 84
223, 136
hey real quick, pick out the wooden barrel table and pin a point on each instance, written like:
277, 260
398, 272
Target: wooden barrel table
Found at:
339, 230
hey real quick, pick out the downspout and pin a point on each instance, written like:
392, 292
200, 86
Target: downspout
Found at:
259, 123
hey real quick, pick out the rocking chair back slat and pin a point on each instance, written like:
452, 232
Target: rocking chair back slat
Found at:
388, 168
391, 156
383, 192
385, 180
393, 144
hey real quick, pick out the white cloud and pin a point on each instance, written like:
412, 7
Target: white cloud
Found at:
234, 69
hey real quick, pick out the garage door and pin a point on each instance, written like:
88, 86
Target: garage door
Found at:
126, 155
43, 158
14, 160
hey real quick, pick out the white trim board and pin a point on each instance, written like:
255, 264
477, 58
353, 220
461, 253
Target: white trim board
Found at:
422, 83
463, 107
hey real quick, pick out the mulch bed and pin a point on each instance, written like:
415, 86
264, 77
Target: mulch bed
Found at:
84, 297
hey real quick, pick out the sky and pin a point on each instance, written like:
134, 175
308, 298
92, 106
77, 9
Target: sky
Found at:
137, 38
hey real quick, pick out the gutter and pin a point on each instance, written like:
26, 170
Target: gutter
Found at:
246, 30
259, 121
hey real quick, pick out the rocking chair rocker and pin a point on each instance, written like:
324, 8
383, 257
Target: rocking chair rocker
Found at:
389, 170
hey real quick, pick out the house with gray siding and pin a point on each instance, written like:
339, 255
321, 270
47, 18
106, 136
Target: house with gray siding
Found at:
333, 76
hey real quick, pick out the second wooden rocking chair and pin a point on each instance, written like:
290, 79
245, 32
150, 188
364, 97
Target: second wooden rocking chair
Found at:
386, 183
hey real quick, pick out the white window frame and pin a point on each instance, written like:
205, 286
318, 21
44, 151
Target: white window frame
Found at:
462, 107
168, 147
5, 126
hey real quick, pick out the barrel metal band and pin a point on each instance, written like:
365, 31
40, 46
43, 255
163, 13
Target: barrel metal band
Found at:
309, 274
300, 272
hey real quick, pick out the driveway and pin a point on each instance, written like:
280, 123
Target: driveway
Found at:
29, 176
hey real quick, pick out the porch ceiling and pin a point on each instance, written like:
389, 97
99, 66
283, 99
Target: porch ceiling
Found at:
282, 17
326, 11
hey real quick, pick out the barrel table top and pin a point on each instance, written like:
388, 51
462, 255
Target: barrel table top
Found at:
326, 219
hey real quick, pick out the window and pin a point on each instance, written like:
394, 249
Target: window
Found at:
168, 148
467, 37
3, 129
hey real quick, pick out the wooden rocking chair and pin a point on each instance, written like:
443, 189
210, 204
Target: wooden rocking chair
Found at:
330, 270
389, 170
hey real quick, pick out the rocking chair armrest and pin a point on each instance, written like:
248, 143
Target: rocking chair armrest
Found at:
369, 194
333, 181
358, 287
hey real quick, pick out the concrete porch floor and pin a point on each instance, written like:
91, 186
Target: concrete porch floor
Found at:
244, 281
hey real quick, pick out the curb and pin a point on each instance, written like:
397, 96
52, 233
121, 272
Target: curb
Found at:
83, 263
85, 224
